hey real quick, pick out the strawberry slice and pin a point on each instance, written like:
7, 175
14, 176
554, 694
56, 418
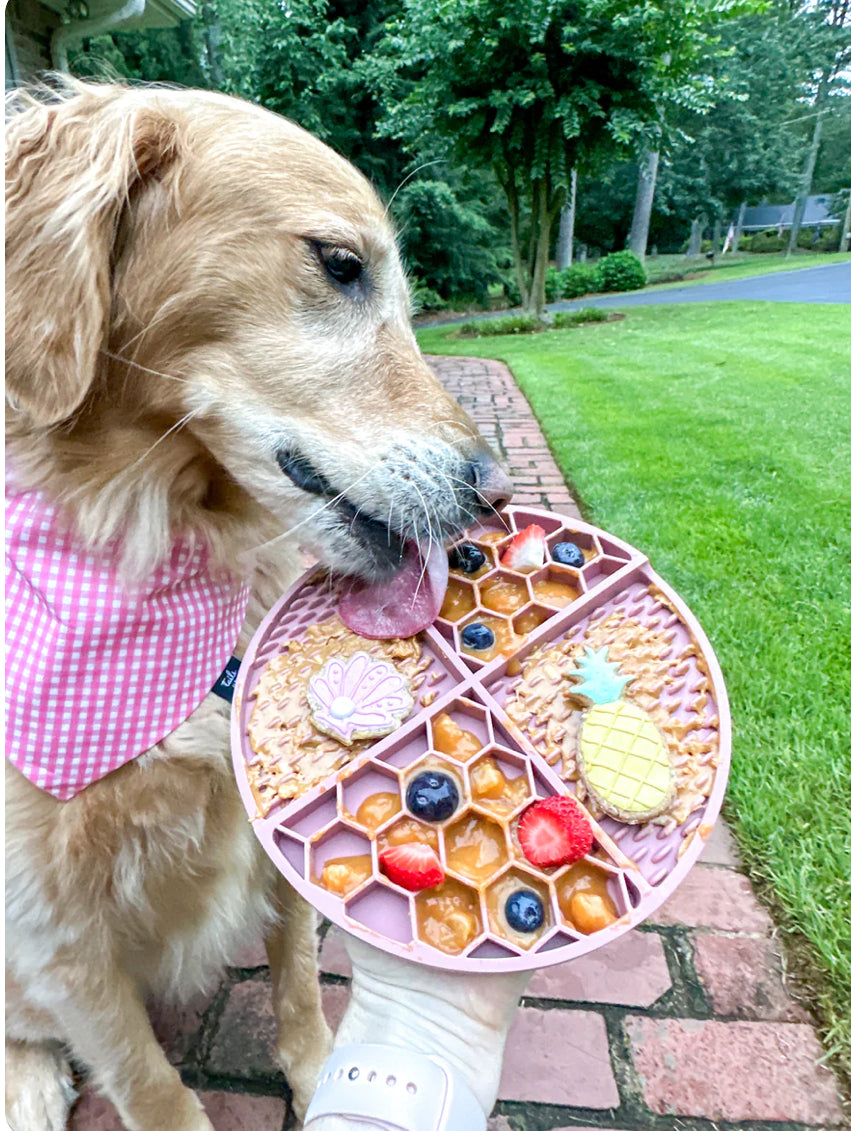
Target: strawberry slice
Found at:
526, 550
413, 867
581, 833
550, 837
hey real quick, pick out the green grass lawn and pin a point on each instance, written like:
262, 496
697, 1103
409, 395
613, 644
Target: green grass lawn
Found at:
717, 438
744, 265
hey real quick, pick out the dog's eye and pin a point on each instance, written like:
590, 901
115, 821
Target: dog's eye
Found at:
342, 265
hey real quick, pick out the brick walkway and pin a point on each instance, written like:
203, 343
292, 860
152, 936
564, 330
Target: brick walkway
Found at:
682, 1025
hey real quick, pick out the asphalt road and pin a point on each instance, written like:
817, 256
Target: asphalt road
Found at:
809, 284
830, 284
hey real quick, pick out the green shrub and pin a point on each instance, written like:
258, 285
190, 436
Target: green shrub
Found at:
768, 241
512, 291
447, 240
745, 243
567, 318
622, 271
829, 239
705, 245
669, 277
425, 298
512, 324
806, 238
580, 279
553, 284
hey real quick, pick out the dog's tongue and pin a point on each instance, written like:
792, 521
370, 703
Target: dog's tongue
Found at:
402, 606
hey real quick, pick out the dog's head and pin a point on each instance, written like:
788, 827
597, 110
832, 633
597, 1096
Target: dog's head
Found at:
207, 312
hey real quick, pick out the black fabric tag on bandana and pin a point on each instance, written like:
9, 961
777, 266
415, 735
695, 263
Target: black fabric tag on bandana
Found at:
223, 687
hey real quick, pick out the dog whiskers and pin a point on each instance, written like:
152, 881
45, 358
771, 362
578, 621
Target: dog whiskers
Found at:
431, 539
144, 368
174, 428
247, 554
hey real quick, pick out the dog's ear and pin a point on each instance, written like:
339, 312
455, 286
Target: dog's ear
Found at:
71, 167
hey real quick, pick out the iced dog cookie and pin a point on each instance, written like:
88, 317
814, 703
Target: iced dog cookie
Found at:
360, 697
644, 682
622, 759
292, 750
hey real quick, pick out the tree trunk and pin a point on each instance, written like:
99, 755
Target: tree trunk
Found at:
543, 222
212, 40
509, 186
640, 228
696, 236
806, 183
716, 237
737, 231
567, 222
846, 227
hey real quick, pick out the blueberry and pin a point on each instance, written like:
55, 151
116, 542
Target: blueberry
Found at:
569, 554
466, 557
524, 911
478, 636
432, 796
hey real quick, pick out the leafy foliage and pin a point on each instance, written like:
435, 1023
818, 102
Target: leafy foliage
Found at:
581, 279
303, 59
495, 327
567, 319
768, 241
532, 90
158, 55
622, 271
449, 244
507, 96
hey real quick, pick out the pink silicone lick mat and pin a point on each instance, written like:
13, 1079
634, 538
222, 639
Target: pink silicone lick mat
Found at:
638, 866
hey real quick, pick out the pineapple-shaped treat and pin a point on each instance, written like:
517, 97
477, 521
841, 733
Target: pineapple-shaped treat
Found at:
622, 757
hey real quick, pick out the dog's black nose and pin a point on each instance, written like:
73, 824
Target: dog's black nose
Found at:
492, 487
303, 473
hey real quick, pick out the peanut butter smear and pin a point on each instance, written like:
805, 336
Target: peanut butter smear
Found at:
290, 754
670, 683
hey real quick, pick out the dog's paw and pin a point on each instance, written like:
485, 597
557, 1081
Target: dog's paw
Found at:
39, 1087
156, 1108
302, 1071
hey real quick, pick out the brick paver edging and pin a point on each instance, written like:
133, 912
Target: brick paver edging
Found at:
686, 1024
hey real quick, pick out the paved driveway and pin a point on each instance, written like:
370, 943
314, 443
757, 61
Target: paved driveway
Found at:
809, 284
831, 284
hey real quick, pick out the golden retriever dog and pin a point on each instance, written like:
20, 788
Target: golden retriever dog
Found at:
208, 336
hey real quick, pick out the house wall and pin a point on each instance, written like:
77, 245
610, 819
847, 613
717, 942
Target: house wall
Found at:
29, 26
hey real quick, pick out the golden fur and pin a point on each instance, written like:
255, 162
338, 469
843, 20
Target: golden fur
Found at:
171, 328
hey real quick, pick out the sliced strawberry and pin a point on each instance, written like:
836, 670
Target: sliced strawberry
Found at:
412, 866
581, 833
526, 550
549, 838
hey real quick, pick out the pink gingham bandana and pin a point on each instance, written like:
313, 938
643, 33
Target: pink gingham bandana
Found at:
97, 673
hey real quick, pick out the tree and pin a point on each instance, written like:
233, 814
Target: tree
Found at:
833, 168
158, 55
451, 237
535, 89
741, 148
830, 21
303, 59
639, 229
567, 225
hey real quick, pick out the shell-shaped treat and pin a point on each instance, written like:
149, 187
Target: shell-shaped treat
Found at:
358, 698
624, 762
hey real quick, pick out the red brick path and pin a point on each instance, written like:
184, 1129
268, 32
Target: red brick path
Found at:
682, 1025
